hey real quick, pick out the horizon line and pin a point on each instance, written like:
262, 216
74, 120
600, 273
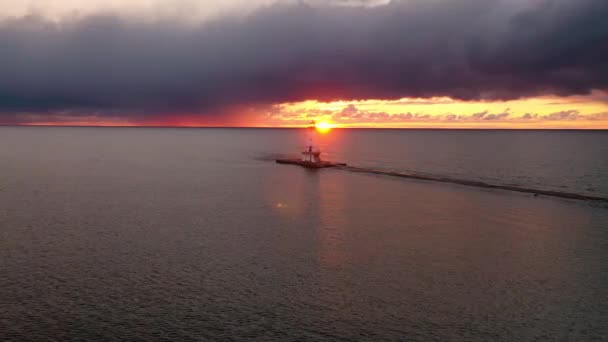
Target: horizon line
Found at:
301, 127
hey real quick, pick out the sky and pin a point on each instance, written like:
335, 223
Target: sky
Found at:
351, 63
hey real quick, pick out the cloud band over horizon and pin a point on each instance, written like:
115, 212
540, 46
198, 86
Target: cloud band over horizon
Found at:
114, 66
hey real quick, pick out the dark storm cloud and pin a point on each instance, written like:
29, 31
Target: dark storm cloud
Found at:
465, 49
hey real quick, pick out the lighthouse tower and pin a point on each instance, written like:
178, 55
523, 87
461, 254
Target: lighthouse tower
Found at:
311, 154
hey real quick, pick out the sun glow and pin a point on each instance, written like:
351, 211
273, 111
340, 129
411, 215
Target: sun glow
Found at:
323, 127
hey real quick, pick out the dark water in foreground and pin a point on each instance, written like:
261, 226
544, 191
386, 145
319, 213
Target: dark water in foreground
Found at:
183, 234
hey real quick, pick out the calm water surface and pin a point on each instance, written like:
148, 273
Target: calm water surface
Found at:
193, 234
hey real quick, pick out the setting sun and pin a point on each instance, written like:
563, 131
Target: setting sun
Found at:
323, 127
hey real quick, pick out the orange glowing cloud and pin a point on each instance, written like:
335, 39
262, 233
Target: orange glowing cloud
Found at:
577, 112
551, 112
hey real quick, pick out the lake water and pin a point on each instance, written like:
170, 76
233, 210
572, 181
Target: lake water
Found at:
196, 234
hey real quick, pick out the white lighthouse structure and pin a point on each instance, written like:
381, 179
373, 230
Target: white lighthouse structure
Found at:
311, 154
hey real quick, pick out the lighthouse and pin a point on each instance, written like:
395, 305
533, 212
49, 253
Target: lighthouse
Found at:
311, 154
